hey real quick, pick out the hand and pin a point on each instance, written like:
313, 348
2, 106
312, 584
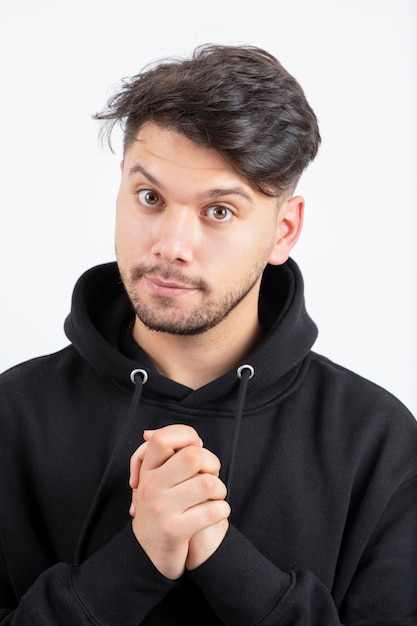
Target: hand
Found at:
204, 543
176, 495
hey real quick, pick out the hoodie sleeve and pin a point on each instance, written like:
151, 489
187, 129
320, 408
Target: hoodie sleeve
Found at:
116, 585
245, 588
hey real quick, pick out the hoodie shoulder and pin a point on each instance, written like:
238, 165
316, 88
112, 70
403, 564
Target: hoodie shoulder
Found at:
362, 387
361, 403
26, 376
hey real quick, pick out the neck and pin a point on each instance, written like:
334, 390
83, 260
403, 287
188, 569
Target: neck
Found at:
196, 360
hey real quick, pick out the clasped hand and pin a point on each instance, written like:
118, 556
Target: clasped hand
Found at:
178, 507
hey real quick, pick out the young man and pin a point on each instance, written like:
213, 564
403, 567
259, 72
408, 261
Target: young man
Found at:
188, 459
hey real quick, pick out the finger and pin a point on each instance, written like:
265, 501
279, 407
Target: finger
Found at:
204, 515
187, 494
135, 464
137, 458
186, 463
164, 442
132, 508
199, 489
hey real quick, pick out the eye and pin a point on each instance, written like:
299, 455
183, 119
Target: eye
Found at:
219, 213
149, 197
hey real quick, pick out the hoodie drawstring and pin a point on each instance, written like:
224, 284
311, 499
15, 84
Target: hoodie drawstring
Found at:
137, 394
244, 373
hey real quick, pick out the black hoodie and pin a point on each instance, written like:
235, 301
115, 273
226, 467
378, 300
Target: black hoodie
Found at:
321, 467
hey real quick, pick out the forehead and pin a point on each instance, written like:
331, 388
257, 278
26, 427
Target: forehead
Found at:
165, 150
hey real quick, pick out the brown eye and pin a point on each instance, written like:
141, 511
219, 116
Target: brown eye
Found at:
220, 213
148, 197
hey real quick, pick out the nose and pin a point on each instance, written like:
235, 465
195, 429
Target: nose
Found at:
176, 235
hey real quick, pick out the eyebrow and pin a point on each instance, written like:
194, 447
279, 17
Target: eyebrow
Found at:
211, 193
139, 169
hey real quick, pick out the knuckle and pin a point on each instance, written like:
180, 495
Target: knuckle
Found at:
158, 439
192, 456
189, 431
216, 511
207, 483
212, 486
169, 530
210, 515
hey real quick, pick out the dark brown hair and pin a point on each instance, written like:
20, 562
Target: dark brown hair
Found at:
237, 100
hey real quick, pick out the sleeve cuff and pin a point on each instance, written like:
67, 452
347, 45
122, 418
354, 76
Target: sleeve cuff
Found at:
240, 584
120, 577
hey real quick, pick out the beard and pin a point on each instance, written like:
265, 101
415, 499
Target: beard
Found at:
160, 313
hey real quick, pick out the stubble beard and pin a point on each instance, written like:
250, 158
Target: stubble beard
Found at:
160, 314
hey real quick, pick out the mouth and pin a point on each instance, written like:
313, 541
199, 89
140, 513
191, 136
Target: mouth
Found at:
169, 288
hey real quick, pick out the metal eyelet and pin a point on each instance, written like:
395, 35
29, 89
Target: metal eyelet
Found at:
244, 367
143, 374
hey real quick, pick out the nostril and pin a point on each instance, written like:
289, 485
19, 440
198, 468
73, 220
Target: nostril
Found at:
176, 234
173, 249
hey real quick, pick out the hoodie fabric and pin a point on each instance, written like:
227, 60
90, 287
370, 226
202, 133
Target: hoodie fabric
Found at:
321, 468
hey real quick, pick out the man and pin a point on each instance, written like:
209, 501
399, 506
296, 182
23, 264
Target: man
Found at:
188, 459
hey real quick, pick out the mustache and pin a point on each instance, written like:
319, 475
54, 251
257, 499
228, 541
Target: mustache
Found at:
167, 273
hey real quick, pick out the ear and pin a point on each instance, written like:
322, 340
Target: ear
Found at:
289, 225
122, 164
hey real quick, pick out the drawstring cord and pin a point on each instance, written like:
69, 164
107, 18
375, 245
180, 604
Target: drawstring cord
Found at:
244, 373
137, 394
138, 388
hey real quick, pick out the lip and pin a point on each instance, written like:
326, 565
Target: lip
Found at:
166, 288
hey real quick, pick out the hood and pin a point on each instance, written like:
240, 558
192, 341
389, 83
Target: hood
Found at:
97, 326
101, 311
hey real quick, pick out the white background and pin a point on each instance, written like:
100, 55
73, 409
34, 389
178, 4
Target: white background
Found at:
357, 61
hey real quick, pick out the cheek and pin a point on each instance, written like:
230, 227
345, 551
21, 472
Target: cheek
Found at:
127, 237
254, 242
265, 236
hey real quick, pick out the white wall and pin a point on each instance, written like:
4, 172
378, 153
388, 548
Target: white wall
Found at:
358, 64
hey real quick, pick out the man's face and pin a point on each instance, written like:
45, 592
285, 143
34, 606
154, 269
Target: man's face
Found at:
192, 237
